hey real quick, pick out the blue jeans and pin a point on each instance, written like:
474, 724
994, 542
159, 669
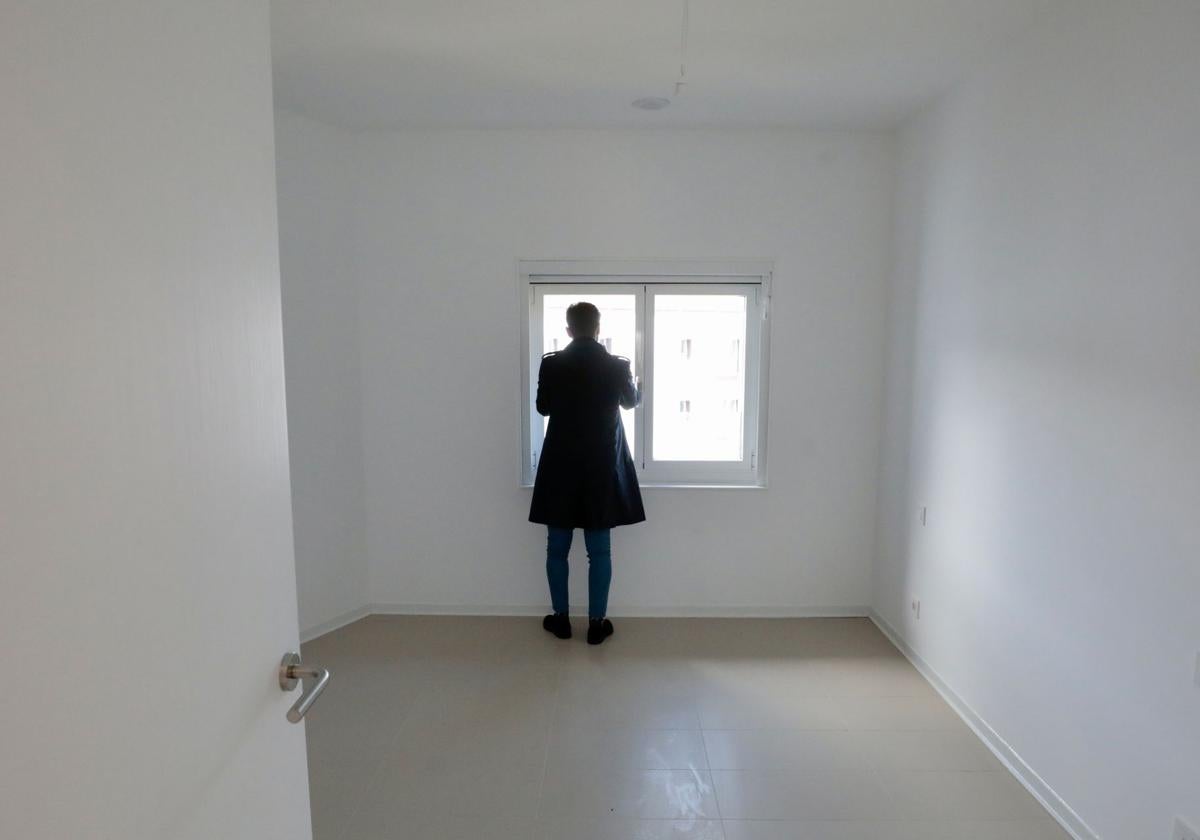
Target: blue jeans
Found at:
599, 550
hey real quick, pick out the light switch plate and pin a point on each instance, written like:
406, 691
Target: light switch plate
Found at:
1183, 831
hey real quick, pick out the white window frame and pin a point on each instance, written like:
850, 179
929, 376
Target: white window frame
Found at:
537, 278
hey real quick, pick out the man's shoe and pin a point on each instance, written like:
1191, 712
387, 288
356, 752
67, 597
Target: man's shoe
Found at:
599, 629
559, 624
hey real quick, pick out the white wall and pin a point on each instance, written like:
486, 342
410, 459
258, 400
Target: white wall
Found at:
443, 218
1044, 403
314, 165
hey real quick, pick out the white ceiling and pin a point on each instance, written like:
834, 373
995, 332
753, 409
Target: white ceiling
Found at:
579, 63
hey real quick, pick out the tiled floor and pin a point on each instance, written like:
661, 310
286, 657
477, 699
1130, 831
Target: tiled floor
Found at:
439, 728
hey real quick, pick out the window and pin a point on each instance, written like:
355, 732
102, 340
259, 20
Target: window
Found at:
695, 335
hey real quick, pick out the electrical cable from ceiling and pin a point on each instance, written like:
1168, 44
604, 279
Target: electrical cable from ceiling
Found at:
681, 83
657, 103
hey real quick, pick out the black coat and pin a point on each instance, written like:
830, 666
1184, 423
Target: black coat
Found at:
586, 477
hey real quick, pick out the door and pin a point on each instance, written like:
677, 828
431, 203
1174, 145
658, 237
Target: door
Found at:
147, 586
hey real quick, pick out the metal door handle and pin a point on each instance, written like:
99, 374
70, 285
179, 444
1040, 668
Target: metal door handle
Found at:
290, 674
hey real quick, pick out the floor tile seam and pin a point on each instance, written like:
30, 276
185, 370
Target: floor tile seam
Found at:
375, 777
713, 782
352, 812
850, 768
778, 729
551, 718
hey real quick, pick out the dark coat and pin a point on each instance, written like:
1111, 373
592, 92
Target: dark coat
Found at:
586, 477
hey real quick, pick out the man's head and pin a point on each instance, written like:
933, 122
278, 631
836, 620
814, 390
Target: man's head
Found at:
583, 320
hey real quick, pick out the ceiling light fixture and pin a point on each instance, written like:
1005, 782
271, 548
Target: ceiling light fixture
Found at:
651, 103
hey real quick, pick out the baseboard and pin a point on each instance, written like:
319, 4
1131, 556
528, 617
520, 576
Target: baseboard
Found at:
350, 617
628, 612
1026, 775
310, 633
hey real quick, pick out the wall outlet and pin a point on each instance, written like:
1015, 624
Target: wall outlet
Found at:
1183, 831
916, 608
924, 516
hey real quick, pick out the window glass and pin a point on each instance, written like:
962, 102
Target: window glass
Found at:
699, 377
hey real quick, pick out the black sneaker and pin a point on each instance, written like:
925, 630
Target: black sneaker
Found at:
599, 629
559, 624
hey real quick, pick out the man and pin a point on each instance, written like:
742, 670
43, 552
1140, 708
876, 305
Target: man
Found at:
585, 478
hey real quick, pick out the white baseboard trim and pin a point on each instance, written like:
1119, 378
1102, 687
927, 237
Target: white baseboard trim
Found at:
1026, 775
310, 633
627, 612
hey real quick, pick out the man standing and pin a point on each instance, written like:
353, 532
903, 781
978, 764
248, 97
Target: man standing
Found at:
586, 478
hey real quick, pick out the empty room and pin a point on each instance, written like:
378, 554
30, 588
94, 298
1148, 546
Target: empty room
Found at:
600, 420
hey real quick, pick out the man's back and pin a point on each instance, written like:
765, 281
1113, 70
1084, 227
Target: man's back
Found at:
581, 390
586, 476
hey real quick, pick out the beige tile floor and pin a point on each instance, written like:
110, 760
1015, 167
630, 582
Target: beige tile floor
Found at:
438, 728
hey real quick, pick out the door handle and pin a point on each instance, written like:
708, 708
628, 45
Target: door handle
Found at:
290, 674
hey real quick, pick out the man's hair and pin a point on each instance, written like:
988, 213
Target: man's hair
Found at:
583, 318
